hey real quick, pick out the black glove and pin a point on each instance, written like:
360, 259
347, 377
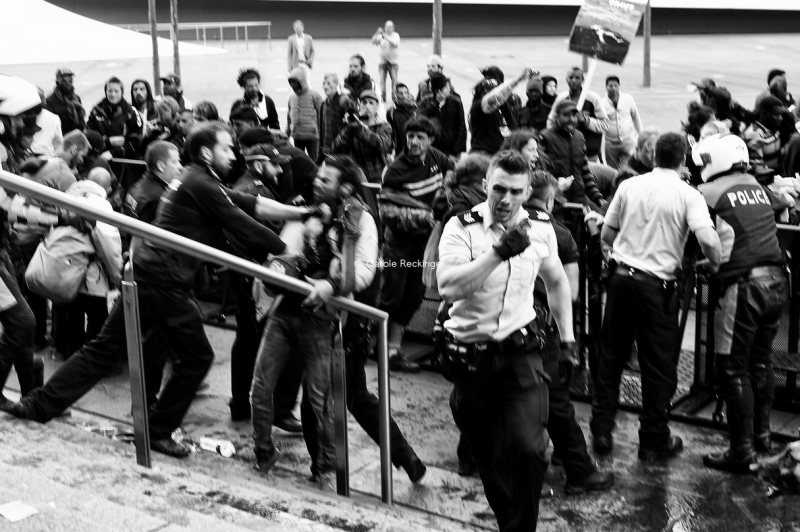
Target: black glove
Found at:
514, 241
568, 360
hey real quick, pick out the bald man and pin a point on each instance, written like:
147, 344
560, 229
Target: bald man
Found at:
102, 177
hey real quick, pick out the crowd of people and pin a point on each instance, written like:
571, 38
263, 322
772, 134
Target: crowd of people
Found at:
468, 201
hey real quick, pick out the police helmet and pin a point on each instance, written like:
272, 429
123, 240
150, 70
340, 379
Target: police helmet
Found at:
719, 154
17, 96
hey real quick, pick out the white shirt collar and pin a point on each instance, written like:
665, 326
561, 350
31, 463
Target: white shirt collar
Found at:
488, 221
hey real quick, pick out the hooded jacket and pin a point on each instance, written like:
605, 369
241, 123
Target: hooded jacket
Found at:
119, 119
149, 114
451, 137
304, 108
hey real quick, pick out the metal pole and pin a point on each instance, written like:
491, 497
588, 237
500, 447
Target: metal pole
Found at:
246, 39
133, 334
221, 38
437, 27
585, 62
385, 411
237, 38
648, 18
340, 410
176, 53
151, 14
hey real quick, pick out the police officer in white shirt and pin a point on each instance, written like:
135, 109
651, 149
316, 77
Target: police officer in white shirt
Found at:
489, 260
648, 224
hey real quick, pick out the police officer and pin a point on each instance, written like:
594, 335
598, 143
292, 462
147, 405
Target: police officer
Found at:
261, 179
489, 259
752, 289
568, 441
648, 224
199, 208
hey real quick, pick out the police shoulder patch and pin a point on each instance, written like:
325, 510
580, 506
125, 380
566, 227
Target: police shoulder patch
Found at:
538, 215
470, 217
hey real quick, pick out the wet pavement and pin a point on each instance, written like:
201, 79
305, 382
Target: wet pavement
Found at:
677, 495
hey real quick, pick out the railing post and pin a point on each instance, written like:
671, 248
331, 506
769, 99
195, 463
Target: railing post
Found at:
340, 410
133, 334
385, 409
246, 40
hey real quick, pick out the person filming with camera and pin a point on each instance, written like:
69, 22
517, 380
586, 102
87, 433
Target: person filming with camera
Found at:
366, 138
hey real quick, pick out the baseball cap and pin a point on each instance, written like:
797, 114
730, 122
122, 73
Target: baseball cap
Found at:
566, 105
774, 73
705, 83
64, 72
171, 78
493, 72
368, 94
265, 152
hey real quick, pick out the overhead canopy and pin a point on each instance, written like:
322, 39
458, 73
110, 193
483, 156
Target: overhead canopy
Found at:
35, 31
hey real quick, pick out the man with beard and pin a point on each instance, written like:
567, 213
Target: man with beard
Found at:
118, 122
65, 103
492, 115
413, 179
250, 80
534, 114
200, 209
171, 84
592, 118
405, 108
367, 139
331, 115
625, 124
435, 66
358, 81
142, 100
447, 112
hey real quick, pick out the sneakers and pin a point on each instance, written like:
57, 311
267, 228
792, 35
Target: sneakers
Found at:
327, 481
602, 444
398, 362
265, 460
725, 461
289, 423
415, 469
597, 481
23, 410
673, 446
170, 447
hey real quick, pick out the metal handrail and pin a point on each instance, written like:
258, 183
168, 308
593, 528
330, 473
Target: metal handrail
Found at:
206, 253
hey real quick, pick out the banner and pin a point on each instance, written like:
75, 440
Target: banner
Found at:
604, 29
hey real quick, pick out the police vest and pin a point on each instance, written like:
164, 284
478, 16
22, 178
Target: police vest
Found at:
745, 221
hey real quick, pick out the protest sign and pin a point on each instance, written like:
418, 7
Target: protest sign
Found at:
604, 29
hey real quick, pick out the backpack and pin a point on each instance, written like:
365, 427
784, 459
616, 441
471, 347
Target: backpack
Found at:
59, 264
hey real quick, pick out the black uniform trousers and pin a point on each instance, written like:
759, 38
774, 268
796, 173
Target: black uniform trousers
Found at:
16, 340
502, 408
245, 351
176, 315
78, 322
648, 312
364, 406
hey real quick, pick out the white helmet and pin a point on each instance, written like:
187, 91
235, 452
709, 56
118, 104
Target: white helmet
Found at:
17, 96
717, 154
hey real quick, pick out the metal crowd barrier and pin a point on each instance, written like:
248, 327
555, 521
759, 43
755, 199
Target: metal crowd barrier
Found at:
170, 240
197, 26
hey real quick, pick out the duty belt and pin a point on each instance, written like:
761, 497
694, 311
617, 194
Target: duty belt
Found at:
642, 276
516, 340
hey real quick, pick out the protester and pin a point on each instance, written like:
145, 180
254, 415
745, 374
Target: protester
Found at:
534, 114
435, 65
550, 90
592, 118
358, 81
205, 112
250, 81
142, 100
331, 114
492, 116
65, 103
48, 137
171, 85
300, 49
164, 126
447, 113
764, 141
403, 110
302, 120
624, 124
642, 162
777, 86
388, 41
118, 122
408, 214
365, 138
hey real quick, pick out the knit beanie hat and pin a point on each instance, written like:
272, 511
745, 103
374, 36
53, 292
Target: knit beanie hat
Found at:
535, 83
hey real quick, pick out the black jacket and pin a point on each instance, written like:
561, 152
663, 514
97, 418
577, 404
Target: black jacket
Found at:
397, 117
358, 84
142, 201
487, 130
534, 118
119, 119
565, 155
71, 112
449, 118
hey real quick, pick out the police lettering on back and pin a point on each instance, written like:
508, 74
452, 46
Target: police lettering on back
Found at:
748, 197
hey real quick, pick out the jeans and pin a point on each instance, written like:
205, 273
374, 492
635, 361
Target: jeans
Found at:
176, 315
648, 313
310, 146
391, 69
296, 332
